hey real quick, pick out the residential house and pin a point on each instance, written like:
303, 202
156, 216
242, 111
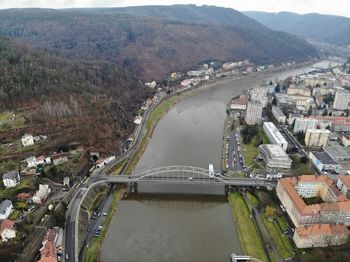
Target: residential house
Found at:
42, 194
59, 158
6, 209
346, 140
27, 140
7, 230
11, 179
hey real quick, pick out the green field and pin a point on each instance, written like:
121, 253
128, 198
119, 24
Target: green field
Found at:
298, 167
281, 240
7, 122
248, 235
250, 151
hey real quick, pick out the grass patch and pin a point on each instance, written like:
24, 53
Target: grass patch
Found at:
252, 199
248, 235
118, 168
313, 200
15, 214
7, 121
93, 252
250, 151
281, 240
299, 167
25, 185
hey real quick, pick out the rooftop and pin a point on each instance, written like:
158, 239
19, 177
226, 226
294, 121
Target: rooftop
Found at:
10, 175
4, 205
6, 224
321, 229
345, 180
275, 133
289, 185
274, 151
324, 157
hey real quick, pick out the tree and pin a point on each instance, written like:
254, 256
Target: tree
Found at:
304, 160
277, 88
270, 212
309, 111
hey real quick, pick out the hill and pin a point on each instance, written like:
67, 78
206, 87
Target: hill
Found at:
178, 38
69, 100
321, 28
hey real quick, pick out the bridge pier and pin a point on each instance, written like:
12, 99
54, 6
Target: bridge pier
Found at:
133, 187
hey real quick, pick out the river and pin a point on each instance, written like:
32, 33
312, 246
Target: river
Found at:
163, 228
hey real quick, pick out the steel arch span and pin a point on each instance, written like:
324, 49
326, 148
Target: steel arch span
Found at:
179, 173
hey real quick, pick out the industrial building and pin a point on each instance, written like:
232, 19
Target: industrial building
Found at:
275, 157
323, 162
274, 135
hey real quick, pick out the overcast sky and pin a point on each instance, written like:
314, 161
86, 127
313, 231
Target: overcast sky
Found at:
336, 7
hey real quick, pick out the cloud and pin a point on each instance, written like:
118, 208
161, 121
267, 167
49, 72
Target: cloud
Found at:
337, 7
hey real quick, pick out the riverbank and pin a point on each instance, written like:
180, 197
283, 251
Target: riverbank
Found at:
93, 252
248, 235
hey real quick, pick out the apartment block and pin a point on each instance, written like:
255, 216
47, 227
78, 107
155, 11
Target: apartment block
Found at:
317, 137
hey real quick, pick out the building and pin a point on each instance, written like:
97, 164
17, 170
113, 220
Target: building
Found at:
41, 195
7, 230
253, 112
346, 140
320, 235
66, 181
275, 157
51, 245
323, 162
336, 123
297, 90
59, 158
6, 209
274, 135
292, 117
341, 100
343, 183
302, 124
11, 179
27, 140
259, 94
239, 104
104, 162
334, 209
317, 137
278, 114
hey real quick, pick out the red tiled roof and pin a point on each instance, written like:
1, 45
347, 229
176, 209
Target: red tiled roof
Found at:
6, 224
345, 180
321, 229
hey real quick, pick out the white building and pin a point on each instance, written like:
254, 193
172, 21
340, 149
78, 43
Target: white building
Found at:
253, 112
275, 157
346, 140
302, 124
6, 209
317, 137
341, 100
6, 230
11, 179
274, 135
343, 183
104, 162
323, 162
27, 140
41, 195
278, 114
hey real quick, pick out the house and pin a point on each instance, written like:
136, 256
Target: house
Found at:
31, 161
104, 162
138, 120
6, 209
11, 179
24, 197
66, 181
6, 230
346, 140
59, 158
27, 140
42, 194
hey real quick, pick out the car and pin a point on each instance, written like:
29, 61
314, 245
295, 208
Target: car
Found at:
100, 227
67, 256
190, 178
98, 214
104, 213
93, 217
